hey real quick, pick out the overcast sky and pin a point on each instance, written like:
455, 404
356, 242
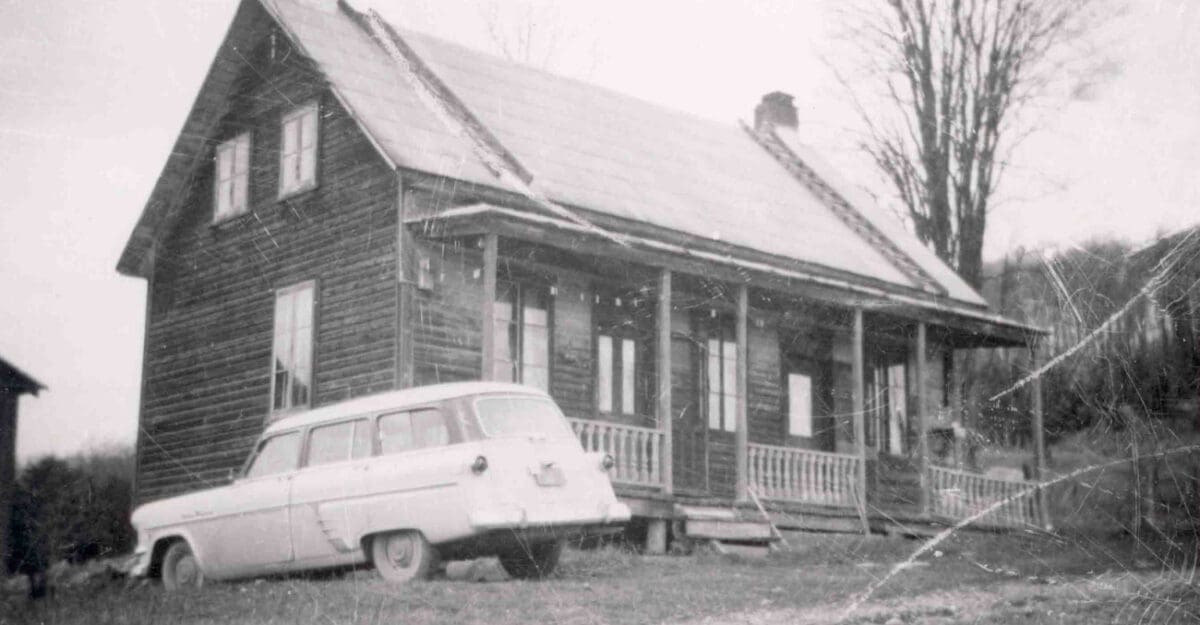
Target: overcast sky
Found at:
93, 93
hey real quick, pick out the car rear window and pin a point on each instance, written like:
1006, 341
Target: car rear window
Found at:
521, 416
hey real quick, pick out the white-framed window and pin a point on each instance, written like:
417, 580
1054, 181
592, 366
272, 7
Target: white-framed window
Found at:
616, 374
230, 195
298, 150
522, 335
291, 368
800, 405
722, 384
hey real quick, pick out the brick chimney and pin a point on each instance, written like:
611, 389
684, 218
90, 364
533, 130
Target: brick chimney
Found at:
776, 111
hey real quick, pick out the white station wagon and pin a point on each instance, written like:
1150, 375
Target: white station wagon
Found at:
398, 480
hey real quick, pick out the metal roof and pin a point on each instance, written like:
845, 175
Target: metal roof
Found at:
585, 146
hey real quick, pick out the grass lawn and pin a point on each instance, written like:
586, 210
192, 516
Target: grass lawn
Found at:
973, 578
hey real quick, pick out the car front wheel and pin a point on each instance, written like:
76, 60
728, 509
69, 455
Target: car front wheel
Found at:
180, 568
536, 561
403, 556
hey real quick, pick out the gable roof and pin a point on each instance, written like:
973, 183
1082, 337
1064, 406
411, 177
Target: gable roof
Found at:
588, 147
15, 381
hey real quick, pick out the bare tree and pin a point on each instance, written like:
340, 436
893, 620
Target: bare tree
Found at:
535, 32
955, 76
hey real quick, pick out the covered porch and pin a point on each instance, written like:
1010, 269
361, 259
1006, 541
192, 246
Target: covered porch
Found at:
726, 384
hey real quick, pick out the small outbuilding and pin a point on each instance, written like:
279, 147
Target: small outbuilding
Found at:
13, 384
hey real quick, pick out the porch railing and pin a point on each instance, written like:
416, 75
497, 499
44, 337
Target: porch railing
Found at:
959, 494
802, 475
638, 451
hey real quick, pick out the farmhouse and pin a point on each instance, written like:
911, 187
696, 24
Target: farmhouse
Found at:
352, 208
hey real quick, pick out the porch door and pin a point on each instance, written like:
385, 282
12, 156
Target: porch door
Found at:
898, 484
895, 427
690, 442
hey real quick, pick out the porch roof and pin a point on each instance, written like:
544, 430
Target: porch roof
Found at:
965, 326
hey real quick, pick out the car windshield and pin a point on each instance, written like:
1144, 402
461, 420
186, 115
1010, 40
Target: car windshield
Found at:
521, 416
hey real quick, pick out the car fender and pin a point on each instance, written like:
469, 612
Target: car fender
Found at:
170, 534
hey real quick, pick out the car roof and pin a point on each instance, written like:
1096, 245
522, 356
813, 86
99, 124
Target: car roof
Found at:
398, 400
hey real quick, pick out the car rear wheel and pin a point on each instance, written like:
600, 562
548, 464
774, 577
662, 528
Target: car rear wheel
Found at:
180, 568
536, 561
403, 556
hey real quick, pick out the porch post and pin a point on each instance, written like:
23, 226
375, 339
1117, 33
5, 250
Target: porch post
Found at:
859, 407
404, 298
922, 418
491, 245
742, 435
1039, 438
663, 367
956, 408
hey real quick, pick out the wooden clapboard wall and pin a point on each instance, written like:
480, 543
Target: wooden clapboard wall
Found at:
208, 356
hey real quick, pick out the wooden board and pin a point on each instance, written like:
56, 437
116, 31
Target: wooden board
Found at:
718, 529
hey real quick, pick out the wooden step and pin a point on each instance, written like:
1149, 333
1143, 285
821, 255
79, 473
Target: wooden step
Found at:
724, 524
739, 531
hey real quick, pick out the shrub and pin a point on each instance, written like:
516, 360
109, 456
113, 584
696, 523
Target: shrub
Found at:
70, 510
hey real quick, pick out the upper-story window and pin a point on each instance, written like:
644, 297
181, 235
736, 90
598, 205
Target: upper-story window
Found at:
298, 150
522, 334
291, 374
232, 176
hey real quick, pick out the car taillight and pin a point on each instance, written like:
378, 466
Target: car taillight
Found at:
480, 465
607, 462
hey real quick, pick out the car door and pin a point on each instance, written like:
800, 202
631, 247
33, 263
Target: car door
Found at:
415, 478
328, 494
251, 530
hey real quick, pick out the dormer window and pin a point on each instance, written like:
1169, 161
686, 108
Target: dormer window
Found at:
233, 172
298, 150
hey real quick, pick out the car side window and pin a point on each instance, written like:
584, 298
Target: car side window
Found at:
350, 440
277, 454
416, 429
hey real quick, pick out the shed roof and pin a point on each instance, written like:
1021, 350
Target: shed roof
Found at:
590, 147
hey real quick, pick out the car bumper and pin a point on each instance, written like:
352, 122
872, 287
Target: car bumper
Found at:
553, 515
141, 563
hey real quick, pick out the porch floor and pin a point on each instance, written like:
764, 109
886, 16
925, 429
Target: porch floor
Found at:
789, 515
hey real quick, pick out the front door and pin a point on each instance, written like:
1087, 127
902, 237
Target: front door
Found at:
689, 431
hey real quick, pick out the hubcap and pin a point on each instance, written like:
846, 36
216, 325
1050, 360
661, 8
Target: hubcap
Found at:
400, 550
186, 571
